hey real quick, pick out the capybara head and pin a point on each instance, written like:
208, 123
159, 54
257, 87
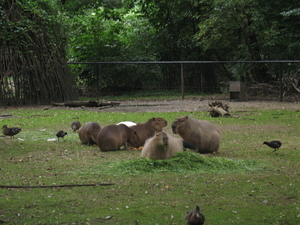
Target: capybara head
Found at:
158, 122
179, 122
134, 139
163, 137
75, 125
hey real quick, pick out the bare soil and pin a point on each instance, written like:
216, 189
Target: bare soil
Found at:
192, 105
176, 106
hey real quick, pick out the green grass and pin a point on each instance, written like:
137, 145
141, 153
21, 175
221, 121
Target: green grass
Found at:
245, 183
182, 163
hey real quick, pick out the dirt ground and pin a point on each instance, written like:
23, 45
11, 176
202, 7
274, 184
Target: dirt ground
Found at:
192, 105
177, 106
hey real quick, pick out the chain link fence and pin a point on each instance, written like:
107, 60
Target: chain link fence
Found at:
265, 80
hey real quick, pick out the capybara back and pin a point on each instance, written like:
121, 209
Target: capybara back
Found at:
200, 133
112, 137
88, 133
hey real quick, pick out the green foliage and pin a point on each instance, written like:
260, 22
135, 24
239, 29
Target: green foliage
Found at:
33, 54
183, 162
116, 30
230, 25
102, 34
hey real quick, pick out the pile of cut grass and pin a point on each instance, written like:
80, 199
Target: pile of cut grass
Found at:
184, 162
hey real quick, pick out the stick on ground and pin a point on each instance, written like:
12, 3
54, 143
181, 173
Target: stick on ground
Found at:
53, 186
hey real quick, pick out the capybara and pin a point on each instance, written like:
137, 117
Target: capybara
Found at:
202, 134
112, 137
75, 125
161, 146
147, 130
88, 133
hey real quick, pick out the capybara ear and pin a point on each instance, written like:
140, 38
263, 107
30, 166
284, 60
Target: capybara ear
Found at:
134, 132
186, 117
153, 118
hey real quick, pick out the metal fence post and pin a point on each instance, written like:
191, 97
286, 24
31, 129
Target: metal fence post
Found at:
182, 82
98, 79
280, 80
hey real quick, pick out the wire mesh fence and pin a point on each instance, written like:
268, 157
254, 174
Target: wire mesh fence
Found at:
264, 80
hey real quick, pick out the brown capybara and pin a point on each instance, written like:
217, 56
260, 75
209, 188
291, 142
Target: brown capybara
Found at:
147, 130
202, 134
88, 133
112, 137
161, 146
75, 125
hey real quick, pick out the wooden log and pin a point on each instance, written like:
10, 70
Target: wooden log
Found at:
86, 104
5, 115
220, 111
58, 104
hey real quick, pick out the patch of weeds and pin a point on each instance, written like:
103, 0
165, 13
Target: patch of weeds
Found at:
183, 162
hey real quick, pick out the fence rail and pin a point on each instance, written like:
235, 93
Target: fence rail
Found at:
266, 80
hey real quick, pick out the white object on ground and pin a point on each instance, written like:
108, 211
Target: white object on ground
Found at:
127, 123
51, 139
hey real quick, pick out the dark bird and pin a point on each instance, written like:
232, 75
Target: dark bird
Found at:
10, 131
75, 125
273, 144
195, 217
61, 134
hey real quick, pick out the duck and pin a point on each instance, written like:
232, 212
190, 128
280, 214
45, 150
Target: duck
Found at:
75, 125
195, 217
61, 134
273, 144
10, 131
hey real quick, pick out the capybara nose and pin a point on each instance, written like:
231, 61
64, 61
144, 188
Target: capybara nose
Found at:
173, 128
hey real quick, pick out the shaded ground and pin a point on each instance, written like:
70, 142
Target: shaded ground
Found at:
178, 106
191, 105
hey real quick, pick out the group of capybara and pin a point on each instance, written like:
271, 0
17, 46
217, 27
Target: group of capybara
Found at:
200, 135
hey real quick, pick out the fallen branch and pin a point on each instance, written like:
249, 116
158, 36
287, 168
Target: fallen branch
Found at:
54, 186
86, 104
295, 87
218, 109
5, 115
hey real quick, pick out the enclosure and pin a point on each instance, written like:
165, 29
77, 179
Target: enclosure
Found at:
265, 80
262, 187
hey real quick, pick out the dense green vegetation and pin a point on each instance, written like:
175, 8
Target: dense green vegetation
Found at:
245, 183
42, 35
33, 41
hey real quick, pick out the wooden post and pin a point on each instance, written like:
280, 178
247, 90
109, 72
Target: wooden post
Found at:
182, 82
